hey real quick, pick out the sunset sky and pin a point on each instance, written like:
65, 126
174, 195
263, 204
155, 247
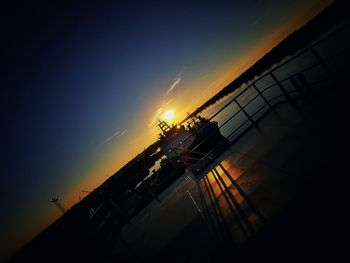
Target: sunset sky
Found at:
84, 84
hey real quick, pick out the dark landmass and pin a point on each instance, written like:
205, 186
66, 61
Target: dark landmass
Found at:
72, 237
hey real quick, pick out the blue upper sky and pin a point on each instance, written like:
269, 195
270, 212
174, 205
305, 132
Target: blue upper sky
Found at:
82, 82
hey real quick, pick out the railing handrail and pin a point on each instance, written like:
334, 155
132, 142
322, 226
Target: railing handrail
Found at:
298, 54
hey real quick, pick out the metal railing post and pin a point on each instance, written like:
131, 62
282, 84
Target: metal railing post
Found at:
296, 86
304, 83
119, 211
262, 96
322, 62
279, 84
245, 113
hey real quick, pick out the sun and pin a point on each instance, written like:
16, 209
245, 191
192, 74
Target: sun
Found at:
169, 115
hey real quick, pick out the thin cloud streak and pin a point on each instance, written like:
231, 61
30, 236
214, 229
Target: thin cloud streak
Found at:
115, 135
169, 101
155, 118
176, 82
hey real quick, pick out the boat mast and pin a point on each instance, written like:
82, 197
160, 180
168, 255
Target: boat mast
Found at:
164, 126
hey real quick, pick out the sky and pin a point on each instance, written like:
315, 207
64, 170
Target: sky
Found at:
83, 85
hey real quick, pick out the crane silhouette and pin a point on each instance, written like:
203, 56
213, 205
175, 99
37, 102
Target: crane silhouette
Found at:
58, 204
